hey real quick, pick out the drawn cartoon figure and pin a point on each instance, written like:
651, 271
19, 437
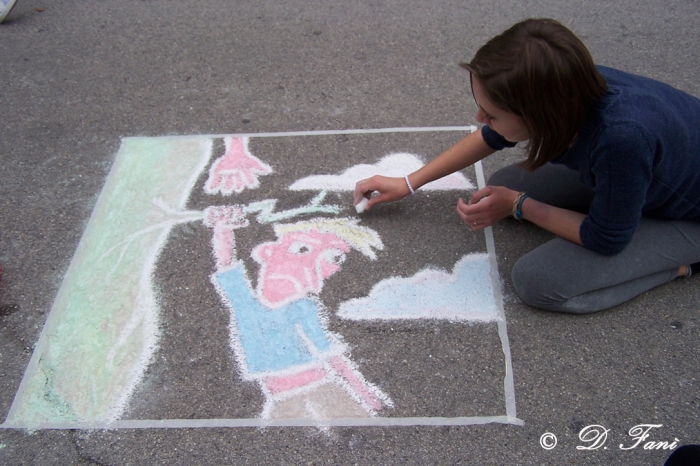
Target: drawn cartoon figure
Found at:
278, 331
236, 170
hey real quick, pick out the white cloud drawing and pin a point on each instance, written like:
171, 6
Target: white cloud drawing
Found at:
396, 165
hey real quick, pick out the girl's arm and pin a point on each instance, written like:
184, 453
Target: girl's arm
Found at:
493, 203
464, 153
562, 222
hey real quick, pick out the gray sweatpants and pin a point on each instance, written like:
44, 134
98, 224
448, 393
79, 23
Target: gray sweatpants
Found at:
565, 277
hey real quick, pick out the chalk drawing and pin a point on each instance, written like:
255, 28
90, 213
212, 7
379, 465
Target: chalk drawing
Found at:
464, 295
223, 220
103, 328
267, 214
279, 332
236, 170
297, 264
396, 165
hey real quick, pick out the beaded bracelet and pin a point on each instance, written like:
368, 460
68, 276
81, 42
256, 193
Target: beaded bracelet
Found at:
408, 183
518, 205
515, 203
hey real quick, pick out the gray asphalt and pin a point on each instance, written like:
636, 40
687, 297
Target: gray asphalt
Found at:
79, 75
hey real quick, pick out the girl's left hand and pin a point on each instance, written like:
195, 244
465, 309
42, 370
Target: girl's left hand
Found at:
487, 206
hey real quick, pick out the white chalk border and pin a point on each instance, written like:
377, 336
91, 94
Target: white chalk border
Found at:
508, 386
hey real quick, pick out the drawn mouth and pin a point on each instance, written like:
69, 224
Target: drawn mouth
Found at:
278, 288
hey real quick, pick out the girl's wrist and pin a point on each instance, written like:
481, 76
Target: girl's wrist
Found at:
408, 185
517, 211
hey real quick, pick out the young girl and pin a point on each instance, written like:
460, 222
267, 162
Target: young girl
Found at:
612, 169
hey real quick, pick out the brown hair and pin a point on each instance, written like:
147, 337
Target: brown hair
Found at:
540, 71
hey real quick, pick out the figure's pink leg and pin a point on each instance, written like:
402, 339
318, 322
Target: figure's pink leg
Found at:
289, 382
358, 385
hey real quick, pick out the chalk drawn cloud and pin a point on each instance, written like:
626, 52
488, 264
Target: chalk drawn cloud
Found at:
396, 165
464, 295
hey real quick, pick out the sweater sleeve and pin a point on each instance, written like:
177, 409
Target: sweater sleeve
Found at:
621, 169
494, 140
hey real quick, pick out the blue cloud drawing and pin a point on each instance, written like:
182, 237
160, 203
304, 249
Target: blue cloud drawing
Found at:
464, 295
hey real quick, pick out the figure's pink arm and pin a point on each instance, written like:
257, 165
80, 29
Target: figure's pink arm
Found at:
223, 220
236, 170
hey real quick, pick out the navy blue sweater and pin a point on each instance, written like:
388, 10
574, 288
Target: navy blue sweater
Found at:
639, 150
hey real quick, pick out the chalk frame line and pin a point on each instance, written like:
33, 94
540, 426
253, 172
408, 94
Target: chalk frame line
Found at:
508, 382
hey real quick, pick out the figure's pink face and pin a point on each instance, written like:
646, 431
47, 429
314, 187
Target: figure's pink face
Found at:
297, 264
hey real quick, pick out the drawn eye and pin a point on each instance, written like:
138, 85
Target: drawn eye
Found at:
299, 248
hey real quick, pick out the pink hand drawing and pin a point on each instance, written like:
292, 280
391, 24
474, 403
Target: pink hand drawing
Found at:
236, 170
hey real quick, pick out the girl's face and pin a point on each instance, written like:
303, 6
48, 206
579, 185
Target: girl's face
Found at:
508, 125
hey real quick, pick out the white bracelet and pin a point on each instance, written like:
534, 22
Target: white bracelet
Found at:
408, 183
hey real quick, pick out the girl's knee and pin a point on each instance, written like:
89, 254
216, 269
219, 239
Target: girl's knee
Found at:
537, 285
527, 284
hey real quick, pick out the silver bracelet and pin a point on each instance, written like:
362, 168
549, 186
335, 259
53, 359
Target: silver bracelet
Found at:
408, 183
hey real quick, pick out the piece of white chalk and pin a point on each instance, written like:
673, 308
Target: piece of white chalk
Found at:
360, 207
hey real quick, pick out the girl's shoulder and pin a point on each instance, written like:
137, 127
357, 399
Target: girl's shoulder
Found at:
633, 88
616, 77
651, 105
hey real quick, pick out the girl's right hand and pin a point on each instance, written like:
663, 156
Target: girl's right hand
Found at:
389, 189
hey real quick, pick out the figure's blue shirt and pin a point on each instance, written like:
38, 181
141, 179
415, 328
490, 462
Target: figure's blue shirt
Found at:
272, 339
639, 150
